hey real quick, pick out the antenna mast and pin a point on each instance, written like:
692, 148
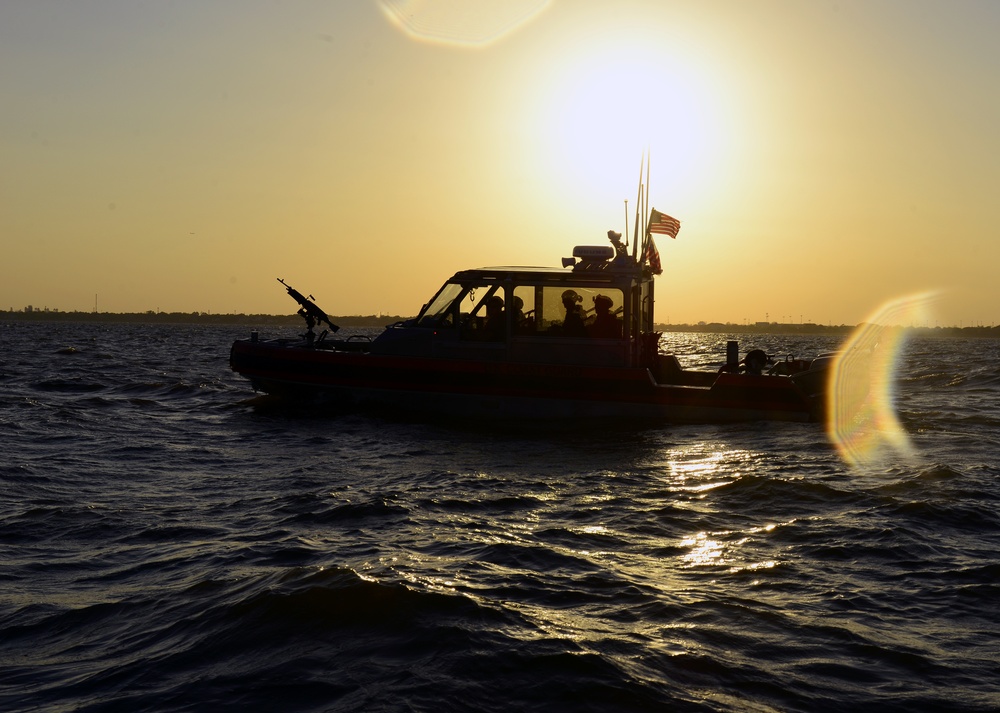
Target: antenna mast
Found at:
626, 218
645, 207
645, 203
638, 203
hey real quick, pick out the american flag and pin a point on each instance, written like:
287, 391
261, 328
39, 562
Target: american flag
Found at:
663, 223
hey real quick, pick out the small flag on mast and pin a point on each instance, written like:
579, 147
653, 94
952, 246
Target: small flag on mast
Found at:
663, 224
653, 257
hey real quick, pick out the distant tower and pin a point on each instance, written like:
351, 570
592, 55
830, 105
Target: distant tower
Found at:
95, 303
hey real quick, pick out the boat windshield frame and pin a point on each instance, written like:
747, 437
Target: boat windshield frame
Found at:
440, 310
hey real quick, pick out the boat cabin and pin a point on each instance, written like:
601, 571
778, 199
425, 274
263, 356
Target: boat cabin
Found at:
595, 311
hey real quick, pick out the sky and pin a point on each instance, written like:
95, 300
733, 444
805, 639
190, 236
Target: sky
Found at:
823, 157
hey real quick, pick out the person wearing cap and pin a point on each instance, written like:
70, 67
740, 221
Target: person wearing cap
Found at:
573, 325
605, 325
495, 326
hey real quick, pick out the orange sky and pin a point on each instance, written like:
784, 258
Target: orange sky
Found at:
823, 157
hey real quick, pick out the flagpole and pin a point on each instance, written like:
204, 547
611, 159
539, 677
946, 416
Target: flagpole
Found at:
638, 222
626, 218
635, 239
645, 206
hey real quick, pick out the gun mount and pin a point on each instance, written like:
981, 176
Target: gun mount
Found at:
309, 311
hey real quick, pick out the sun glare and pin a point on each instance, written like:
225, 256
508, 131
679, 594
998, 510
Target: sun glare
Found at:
607, 107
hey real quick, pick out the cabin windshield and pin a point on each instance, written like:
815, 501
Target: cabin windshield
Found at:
440, 311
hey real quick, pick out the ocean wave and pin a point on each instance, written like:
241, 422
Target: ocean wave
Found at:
169, 548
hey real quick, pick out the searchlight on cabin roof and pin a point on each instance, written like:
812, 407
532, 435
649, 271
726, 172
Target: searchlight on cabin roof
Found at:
589, 255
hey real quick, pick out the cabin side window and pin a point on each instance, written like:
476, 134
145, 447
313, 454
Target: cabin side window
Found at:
486, 318
569, 312
646, 308
523, 304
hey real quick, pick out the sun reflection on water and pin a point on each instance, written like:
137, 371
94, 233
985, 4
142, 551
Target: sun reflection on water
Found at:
725, 549
696, 470
704, 550
701, 468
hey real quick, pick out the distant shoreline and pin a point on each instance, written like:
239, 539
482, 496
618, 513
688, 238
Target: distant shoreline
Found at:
191, 318
376, 321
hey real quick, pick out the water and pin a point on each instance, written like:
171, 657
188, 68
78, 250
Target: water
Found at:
169, 546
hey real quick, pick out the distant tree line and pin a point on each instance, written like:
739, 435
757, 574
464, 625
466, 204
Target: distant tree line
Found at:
757, 328
152, 317
823, 329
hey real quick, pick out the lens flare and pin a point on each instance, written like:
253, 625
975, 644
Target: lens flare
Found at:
467, 23
861, 415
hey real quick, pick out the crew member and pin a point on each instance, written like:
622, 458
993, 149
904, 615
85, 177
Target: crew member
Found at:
605, 324
573, 325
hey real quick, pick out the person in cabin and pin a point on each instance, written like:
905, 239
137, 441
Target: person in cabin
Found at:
605, 325
573, 325
521, 322
518, 310
495, 326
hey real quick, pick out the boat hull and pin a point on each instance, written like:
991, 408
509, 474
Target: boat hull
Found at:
510, 390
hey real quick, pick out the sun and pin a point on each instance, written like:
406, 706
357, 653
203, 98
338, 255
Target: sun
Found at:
604, 108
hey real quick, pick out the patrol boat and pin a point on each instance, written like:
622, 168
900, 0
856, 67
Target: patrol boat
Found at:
529, 343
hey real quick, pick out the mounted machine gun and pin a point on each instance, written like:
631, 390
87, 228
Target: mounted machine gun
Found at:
310, 312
